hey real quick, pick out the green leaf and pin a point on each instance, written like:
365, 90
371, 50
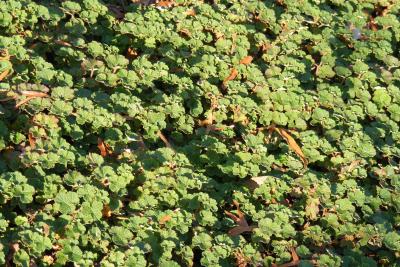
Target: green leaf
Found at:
67, 201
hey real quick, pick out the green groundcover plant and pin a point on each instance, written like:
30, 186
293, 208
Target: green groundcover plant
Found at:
199, 133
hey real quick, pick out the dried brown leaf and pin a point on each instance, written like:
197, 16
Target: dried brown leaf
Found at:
237, 230
210, 116
381, 172
4, 55
63, 43
165, 219
295, 257
23, 102
372, 24
33, 93
106, 211
48, 259
240, 259
239, 219
231, 76
46, 229
292, 144
191, 12
185, 32
208, 121
246, 60
131, 53
165, 4
102, 147
256, 182
32, 140
235, 218
4, 74
30, 95
295, 260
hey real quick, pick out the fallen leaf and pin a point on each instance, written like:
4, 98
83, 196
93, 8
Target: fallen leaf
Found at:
239, 219
279, 168
4, 55
295, 260
218, 35
63, 43
48, 259
165, 4
231, 76
208, 121
165, 219
106, 211
292, 144
23, 102
33, 93
246, 60
381, 172
102, 147
4, 74
295, 257
185, 32
46, 229
372, 24
131, 53
191, 12
256, 182
241, 259
56, 247
30, 95
32, 140
105, 182
265, 47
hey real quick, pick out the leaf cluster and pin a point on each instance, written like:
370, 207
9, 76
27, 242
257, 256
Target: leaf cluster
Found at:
131, 131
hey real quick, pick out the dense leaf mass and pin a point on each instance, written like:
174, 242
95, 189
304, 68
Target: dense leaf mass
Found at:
199, 133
